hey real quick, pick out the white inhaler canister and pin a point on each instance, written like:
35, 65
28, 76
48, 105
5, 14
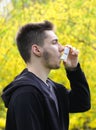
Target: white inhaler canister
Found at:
65, 54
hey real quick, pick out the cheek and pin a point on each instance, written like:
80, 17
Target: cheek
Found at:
46, 55
50, 54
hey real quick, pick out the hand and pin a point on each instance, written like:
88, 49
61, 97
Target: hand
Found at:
72, 59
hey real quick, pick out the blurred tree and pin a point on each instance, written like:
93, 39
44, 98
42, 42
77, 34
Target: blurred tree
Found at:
76, 24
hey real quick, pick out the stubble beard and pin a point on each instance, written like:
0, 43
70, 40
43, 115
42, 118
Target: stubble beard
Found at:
48, 61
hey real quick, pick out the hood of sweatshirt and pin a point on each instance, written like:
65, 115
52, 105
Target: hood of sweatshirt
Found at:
25, 78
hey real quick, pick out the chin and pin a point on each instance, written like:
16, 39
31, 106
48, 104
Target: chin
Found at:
54, 66
57, 67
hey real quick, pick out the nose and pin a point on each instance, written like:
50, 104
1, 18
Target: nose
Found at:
61, 48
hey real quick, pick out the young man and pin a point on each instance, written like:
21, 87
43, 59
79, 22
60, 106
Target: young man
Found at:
33, 100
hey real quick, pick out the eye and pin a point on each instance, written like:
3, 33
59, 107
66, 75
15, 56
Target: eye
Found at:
55, 42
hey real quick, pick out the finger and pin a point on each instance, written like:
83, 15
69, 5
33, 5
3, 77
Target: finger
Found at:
68, 45
74, 51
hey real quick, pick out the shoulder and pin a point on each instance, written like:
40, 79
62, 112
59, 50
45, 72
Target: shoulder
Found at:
26, 100
27, 94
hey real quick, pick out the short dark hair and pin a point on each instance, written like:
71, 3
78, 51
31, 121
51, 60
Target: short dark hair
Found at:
29, 34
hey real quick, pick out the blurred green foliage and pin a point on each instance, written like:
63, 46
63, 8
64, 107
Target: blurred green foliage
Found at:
75, 23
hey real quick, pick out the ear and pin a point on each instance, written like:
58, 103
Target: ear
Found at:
36, 50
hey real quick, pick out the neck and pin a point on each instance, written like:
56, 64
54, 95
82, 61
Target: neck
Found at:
39, 71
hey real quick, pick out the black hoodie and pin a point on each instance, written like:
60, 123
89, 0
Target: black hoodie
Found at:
30, 106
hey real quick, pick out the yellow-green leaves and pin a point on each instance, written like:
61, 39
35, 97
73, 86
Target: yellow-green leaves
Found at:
75, 22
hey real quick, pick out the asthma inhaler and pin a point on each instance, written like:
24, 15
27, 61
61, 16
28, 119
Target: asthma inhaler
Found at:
65, 54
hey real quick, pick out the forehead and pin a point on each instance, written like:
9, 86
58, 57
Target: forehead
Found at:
50, 34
